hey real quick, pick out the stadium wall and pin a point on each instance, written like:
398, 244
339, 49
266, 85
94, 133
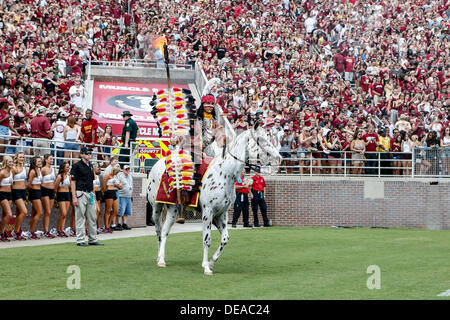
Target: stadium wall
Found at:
360, 202
318, 201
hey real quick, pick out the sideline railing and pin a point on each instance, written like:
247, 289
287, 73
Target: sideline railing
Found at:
70, 152
421, 163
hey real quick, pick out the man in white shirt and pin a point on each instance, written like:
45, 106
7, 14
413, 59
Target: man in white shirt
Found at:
125, 197
58, 135
77, 94
310, 24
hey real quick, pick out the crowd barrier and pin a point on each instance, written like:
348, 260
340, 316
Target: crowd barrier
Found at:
100, 153
422, 162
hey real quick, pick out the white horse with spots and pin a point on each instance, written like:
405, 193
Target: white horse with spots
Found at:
217, 193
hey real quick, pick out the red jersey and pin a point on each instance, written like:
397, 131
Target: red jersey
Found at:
87, 127
40, 127
258, 183
373, 141
240, 183
3, 115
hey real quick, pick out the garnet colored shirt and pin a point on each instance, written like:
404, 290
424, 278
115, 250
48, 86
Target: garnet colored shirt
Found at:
258, 183
373, 138
240, 182
86, 128
40, 126
5, 122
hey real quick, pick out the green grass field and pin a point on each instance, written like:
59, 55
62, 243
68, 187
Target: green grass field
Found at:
269, 263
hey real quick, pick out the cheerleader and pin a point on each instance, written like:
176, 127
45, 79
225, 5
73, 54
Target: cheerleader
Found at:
98, 196
63, 196
110, 183
6, 180
19, 193
34, 193
48, 191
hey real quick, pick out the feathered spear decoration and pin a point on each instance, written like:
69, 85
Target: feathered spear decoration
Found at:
170, 108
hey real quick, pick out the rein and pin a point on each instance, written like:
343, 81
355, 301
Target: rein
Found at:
244, 162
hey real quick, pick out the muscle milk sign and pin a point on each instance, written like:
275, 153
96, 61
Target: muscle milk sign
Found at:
111, 99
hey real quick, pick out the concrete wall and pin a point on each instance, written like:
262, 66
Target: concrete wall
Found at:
141, 75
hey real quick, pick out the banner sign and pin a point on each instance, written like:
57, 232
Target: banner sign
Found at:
111, 99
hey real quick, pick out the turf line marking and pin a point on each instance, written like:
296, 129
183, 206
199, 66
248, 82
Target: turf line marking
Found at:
444, 294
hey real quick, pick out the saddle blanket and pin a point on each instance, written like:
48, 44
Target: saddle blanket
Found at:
163, 195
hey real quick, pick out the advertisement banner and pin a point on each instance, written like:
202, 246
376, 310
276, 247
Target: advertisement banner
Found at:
111, 99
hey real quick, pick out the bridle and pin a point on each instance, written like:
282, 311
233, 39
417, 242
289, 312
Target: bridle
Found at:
246, 162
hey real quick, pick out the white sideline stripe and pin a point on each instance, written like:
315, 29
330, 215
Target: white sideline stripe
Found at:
444, 294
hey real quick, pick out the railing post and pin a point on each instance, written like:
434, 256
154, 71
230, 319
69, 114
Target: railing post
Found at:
379, 165
310, 164
345, 163
413, 162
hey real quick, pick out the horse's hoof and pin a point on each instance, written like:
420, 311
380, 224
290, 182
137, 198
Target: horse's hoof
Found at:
208, 273
161, 265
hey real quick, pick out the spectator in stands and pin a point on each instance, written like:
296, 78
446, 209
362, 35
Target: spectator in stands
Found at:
384, 146
371, 141
287, 141
396, 149
89, 129
4, 124
334, 145
58, 135
71, 136
445, 151
125, 197
107, 139
40, 130
77, 94
407, 149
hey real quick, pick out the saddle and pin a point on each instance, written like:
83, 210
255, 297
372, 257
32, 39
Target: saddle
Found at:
189, 198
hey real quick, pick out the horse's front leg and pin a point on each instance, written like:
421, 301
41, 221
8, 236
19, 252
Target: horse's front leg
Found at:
207, 220
221, 224
168, 223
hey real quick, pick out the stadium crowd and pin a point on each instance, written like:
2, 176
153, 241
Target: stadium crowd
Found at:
333, 81
318, 72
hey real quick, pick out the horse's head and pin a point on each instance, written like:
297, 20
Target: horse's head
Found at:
261, 150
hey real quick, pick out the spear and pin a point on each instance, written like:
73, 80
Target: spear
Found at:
166, 60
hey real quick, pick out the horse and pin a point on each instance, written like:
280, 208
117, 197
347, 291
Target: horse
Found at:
217, 192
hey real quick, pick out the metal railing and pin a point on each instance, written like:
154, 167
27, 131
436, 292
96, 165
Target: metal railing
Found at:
141, 63
41, 146
421, 163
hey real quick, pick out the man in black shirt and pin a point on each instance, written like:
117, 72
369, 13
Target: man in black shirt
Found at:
129, 134
83, 197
